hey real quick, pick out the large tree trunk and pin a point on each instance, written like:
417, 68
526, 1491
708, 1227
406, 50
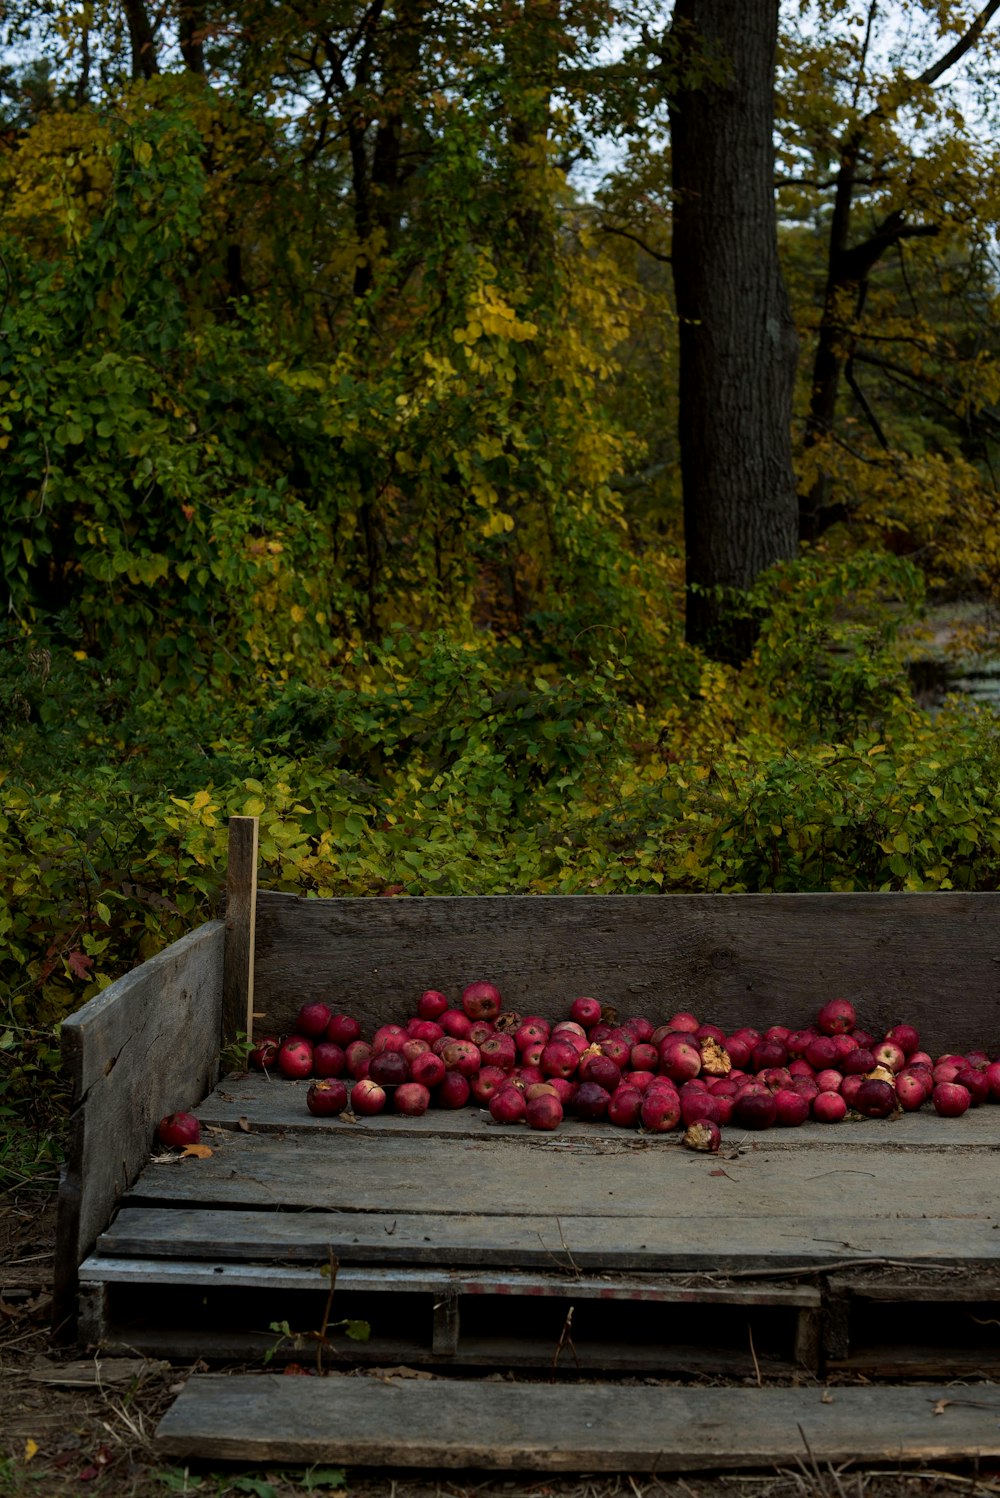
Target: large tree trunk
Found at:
737, 341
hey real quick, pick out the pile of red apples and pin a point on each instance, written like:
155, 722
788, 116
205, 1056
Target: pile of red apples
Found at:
679, 1075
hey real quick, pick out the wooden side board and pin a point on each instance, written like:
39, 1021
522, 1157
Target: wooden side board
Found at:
931, 959
146, 1046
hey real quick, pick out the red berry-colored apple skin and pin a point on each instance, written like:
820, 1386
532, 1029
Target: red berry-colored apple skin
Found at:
358, 1057
456, 1023
696, 1105
566, 1090
342, 1029
295, 1059
265, 1053
508, 1106
685, 1021
545, 1112
432, 1004
499, 1050
388, 1038
849, 1088
328, 1060
993, 1077
822, 1052
312, 1020
906, 1037
618, 1047
640, 1028
836, 1017
829, 1107
178, 1130
485, 1082
428, 1069
586, 1011
425, 1029
559, 1059
791, 1108
829, 1079
327, 1097
412, 1099
625, 1107
412, 1048
911, 1092
680, 1059
591, 1101
368, 1098
481, 1000
875, 1099
755, 1110
950, 1099
739, 1050
857, 1062
453, 1091
462, 1056
976, 1084
390, 1069
660, 1111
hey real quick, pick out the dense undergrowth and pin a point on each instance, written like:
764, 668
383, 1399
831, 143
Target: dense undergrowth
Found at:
436, 765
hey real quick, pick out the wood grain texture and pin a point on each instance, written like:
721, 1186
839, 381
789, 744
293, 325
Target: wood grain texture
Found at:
241, 904
594, 1242
146, 1046
933, 959
449, 1423
106, 1268
543, 1175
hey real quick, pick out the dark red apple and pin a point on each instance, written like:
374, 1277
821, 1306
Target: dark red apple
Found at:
312, 1020
481, 1000
327, 1097
178, 1130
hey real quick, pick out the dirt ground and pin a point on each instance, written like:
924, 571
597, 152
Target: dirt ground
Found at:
72, 1424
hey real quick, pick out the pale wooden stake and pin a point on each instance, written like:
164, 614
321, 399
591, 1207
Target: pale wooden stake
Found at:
241, 905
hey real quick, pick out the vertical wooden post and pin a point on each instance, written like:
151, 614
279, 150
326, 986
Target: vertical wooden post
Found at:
241, 906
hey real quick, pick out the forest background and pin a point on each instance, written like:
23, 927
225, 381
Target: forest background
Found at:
356, 473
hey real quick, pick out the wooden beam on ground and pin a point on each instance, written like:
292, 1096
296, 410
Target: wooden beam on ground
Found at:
448, 1423
241, 921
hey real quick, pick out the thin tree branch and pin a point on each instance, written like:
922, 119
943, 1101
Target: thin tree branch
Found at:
627, 234
930, 75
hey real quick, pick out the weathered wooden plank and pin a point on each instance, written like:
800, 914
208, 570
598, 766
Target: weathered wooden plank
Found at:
144, 1047
983, 1284
450, 1424
546, 1175
594, 1242
735, 959
241, 905
275, 1104
662, 1290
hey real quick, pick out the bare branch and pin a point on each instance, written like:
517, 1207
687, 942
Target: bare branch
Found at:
627, 234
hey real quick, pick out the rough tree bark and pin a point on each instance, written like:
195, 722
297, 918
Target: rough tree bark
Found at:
738, 346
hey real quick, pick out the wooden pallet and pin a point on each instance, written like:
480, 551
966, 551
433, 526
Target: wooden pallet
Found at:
868, 1247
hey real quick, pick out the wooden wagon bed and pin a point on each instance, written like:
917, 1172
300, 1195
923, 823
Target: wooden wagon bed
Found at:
766, 1278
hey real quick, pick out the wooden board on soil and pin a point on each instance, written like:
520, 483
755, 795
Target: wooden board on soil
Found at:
450, 1423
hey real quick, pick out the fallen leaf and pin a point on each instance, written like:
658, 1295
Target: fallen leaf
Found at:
244, 1123
400, 1372
80, 964
30, 1449
940, 1407
197, 1151
826, 1397
348, 1117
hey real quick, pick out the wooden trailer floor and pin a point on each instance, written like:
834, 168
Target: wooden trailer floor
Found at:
790, 1258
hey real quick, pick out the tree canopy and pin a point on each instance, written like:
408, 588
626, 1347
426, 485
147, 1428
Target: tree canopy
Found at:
502, 445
